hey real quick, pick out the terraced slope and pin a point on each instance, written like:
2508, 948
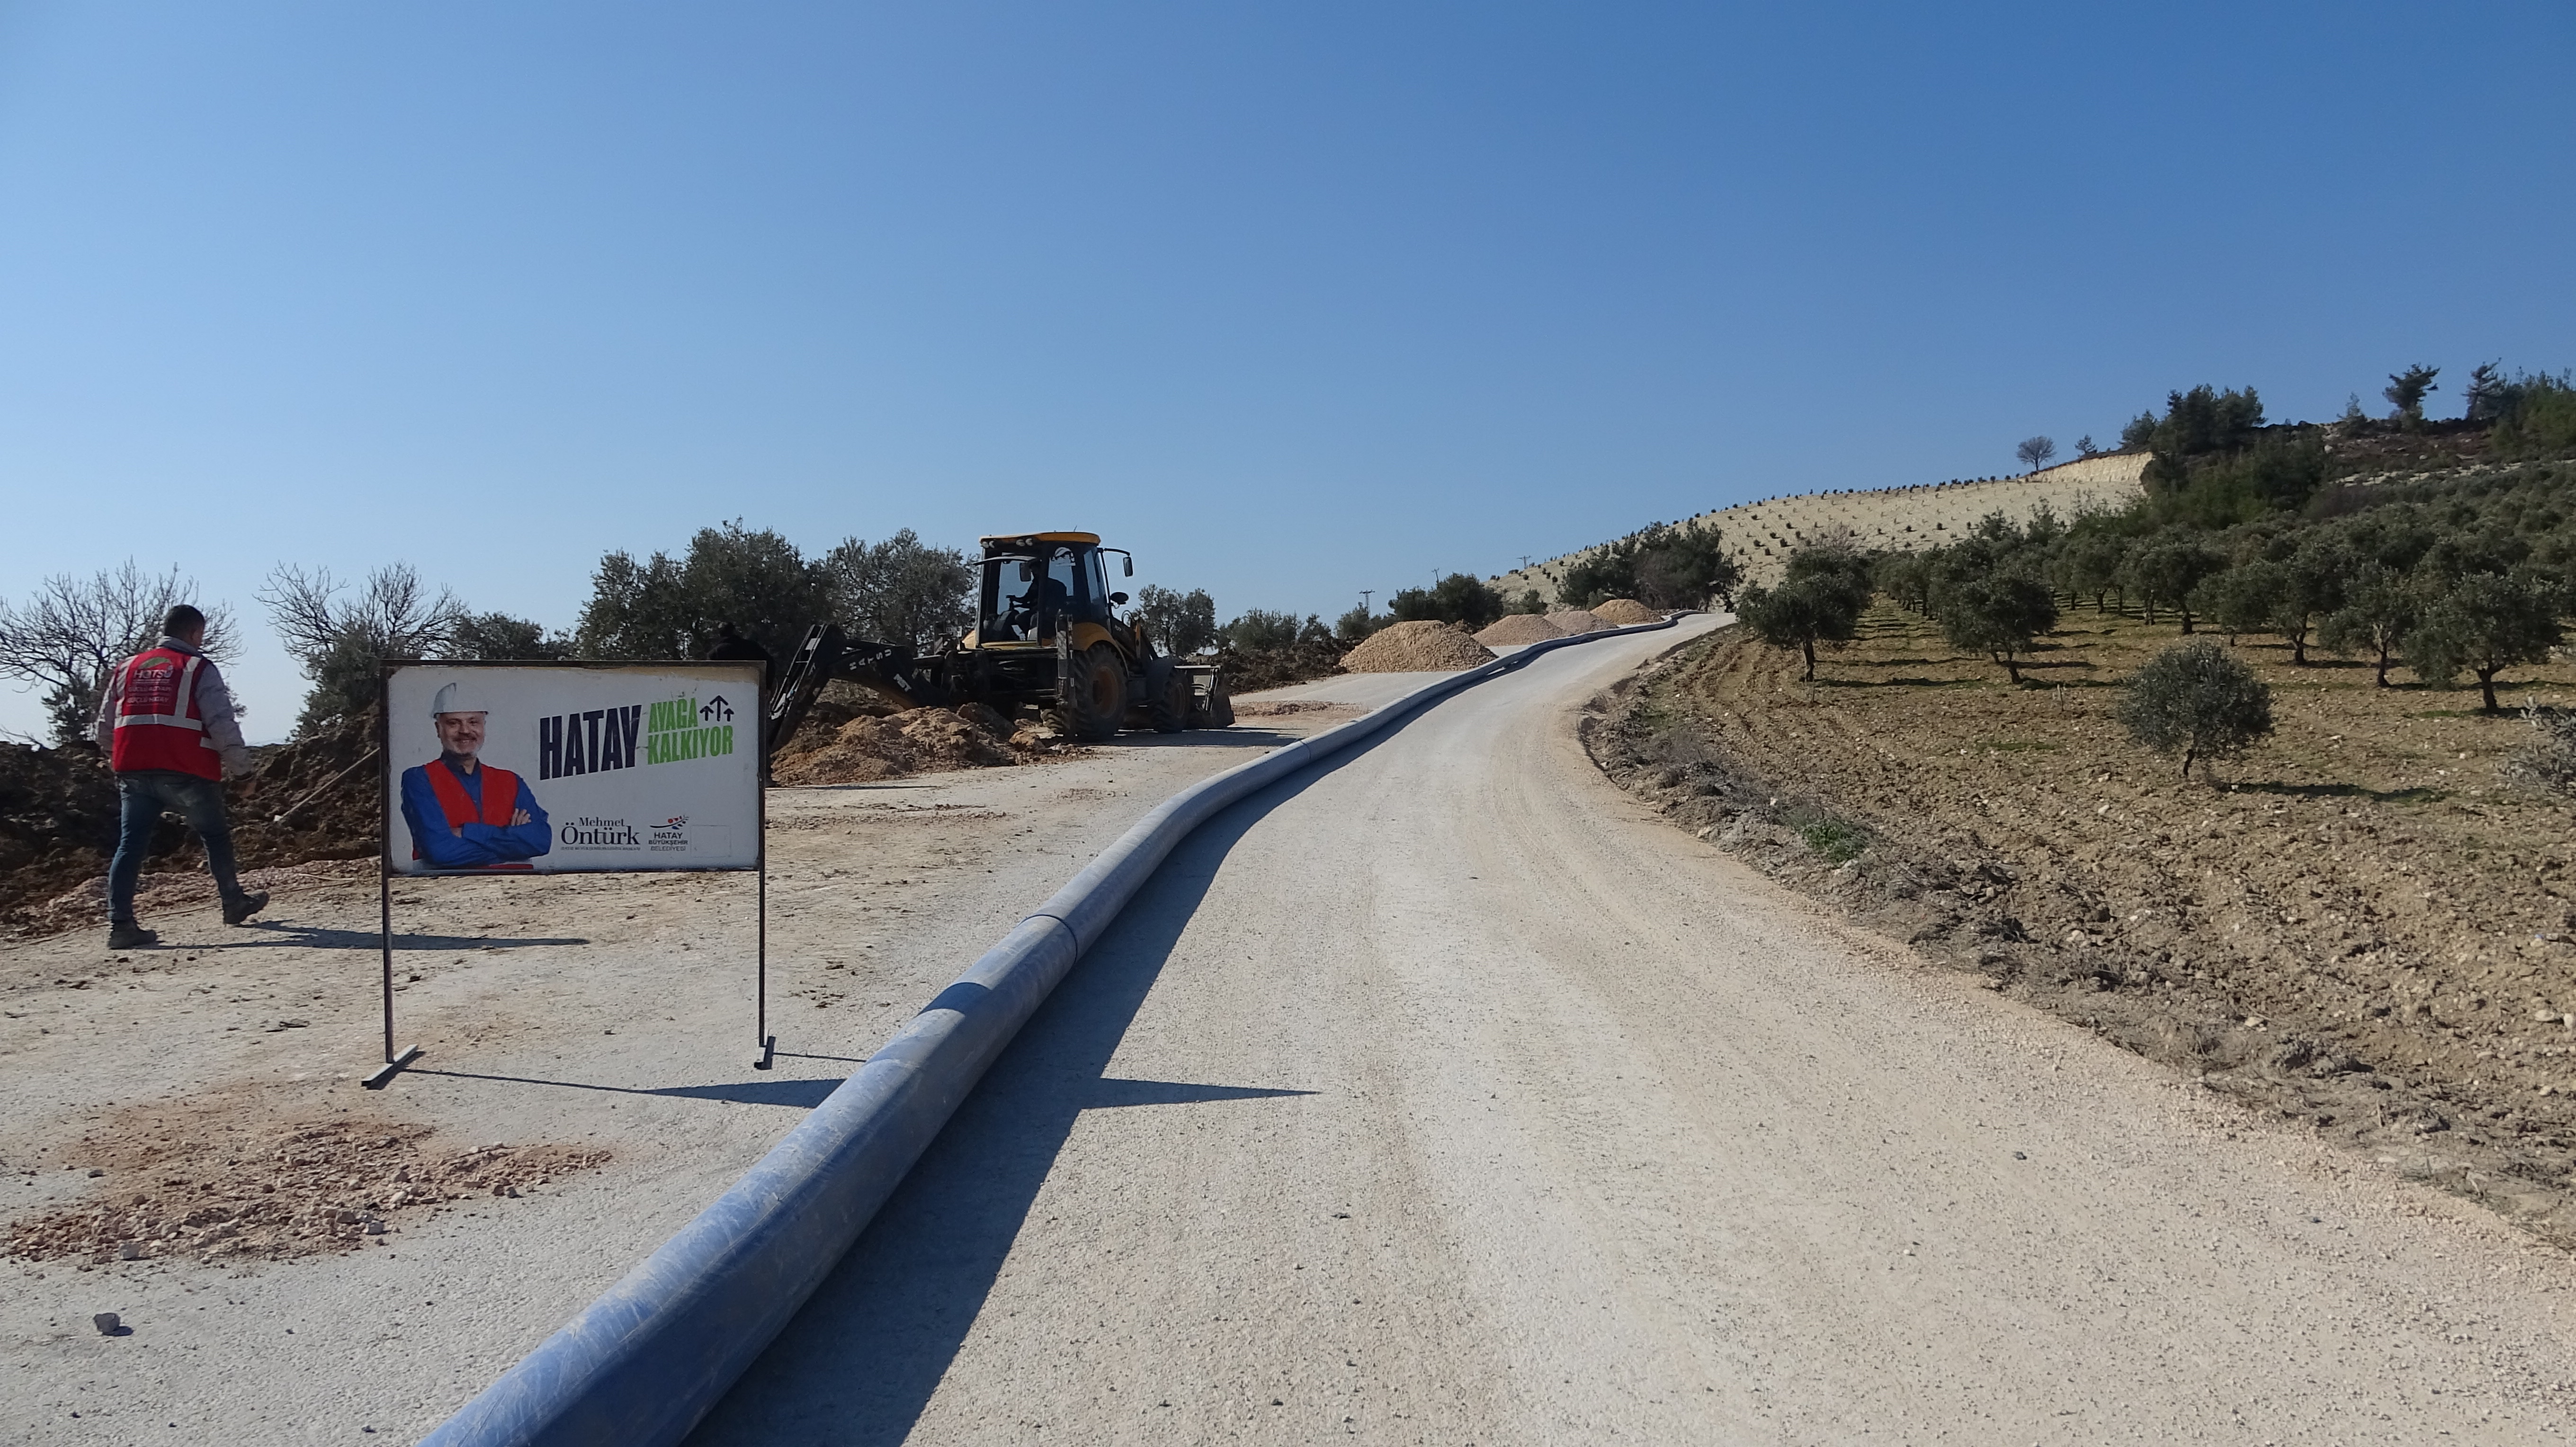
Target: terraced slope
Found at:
1761, 535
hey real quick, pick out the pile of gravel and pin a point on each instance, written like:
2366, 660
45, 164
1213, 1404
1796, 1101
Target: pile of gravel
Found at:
1416, 648
1576, 620
1625, 613
1520, 628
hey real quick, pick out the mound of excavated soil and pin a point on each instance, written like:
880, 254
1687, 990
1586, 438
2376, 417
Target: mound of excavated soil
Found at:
177, 1187
1625, 613
862, 750
57, 822
308, 800
1424, 647
1520, 628
1570, 621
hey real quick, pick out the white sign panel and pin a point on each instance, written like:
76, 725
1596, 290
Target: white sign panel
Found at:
552, 769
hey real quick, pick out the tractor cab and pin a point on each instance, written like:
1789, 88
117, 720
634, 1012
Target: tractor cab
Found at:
1037, 585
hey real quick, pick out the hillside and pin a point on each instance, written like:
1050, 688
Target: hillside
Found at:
1759, 536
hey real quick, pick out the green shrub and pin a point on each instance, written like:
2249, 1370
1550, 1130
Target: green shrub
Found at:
2539, 417
2198, 700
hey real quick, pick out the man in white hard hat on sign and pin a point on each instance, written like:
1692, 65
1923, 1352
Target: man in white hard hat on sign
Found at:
464, 813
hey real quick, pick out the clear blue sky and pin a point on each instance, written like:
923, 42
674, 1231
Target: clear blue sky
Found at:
1294, 299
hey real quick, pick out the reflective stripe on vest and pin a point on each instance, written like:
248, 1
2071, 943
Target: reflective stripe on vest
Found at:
157, 724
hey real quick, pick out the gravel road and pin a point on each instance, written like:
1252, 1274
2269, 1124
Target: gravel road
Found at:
1446, 1095
599, 1012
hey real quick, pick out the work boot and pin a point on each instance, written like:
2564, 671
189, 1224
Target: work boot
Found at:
128, 935
244, 907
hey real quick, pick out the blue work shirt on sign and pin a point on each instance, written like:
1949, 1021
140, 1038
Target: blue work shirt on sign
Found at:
481, 845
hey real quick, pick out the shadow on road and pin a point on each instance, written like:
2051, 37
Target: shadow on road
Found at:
859, 1363
314, 937
802, 1094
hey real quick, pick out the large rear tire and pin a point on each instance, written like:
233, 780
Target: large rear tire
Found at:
1220, 708
1167, 697
1092, 702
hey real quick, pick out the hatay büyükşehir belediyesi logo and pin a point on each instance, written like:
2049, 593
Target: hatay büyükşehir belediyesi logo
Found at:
466, 814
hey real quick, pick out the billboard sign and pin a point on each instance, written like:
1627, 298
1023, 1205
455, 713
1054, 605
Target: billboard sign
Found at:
572, 768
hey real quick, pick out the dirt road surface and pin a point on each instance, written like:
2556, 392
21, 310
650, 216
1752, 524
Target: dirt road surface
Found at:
1446, 1095
564, 1016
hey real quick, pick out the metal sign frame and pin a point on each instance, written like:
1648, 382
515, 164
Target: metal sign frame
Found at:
396, 1061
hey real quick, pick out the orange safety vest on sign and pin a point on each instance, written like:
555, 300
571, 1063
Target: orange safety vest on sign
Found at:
500, 801
157, 722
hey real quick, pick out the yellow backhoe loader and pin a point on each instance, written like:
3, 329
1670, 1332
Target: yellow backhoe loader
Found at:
1047, 637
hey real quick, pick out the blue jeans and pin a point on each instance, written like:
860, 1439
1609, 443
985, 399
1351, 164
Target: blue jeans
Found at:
143, 796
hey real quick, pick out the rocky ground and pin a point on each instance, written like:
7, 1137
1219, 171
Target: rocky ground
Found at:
2362, 925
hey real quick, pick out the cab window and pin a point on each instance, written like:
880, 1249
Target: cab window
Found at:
1065, 571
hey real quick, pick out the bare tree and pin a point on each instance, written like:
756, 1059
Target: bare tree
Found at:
394, 612
2036, 451
73, 630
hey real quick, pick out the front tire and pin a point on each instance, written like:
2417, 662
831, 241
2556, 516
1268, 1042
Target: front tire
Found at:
1091, 699
1167, 697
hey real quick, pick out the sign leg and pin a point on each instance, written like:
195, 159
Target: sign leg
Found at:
385, 939
760, 1024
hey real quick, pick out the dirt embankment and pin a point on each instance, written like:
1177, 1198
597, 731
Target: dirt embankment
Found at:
2363, 926
310, 800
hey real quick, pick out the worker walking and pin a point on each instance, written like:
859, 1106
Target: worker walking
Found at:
165, 722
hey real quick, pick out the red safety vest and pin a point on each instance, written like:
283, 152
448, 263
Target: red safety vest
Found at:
500, 801
158, 725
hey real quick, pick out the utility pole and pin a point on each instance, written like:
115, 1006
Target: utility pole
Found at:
1365, 595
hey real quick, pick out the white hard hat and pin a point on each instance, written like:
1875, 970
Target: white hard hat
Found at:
452, 698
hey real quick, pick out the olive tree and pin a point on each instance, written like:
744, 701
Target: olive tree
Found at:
2238, 600
1819, 602
1182, 623
2164, 573
903, 590
2378, 612
1998, 614
2486, 623
2199, 700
